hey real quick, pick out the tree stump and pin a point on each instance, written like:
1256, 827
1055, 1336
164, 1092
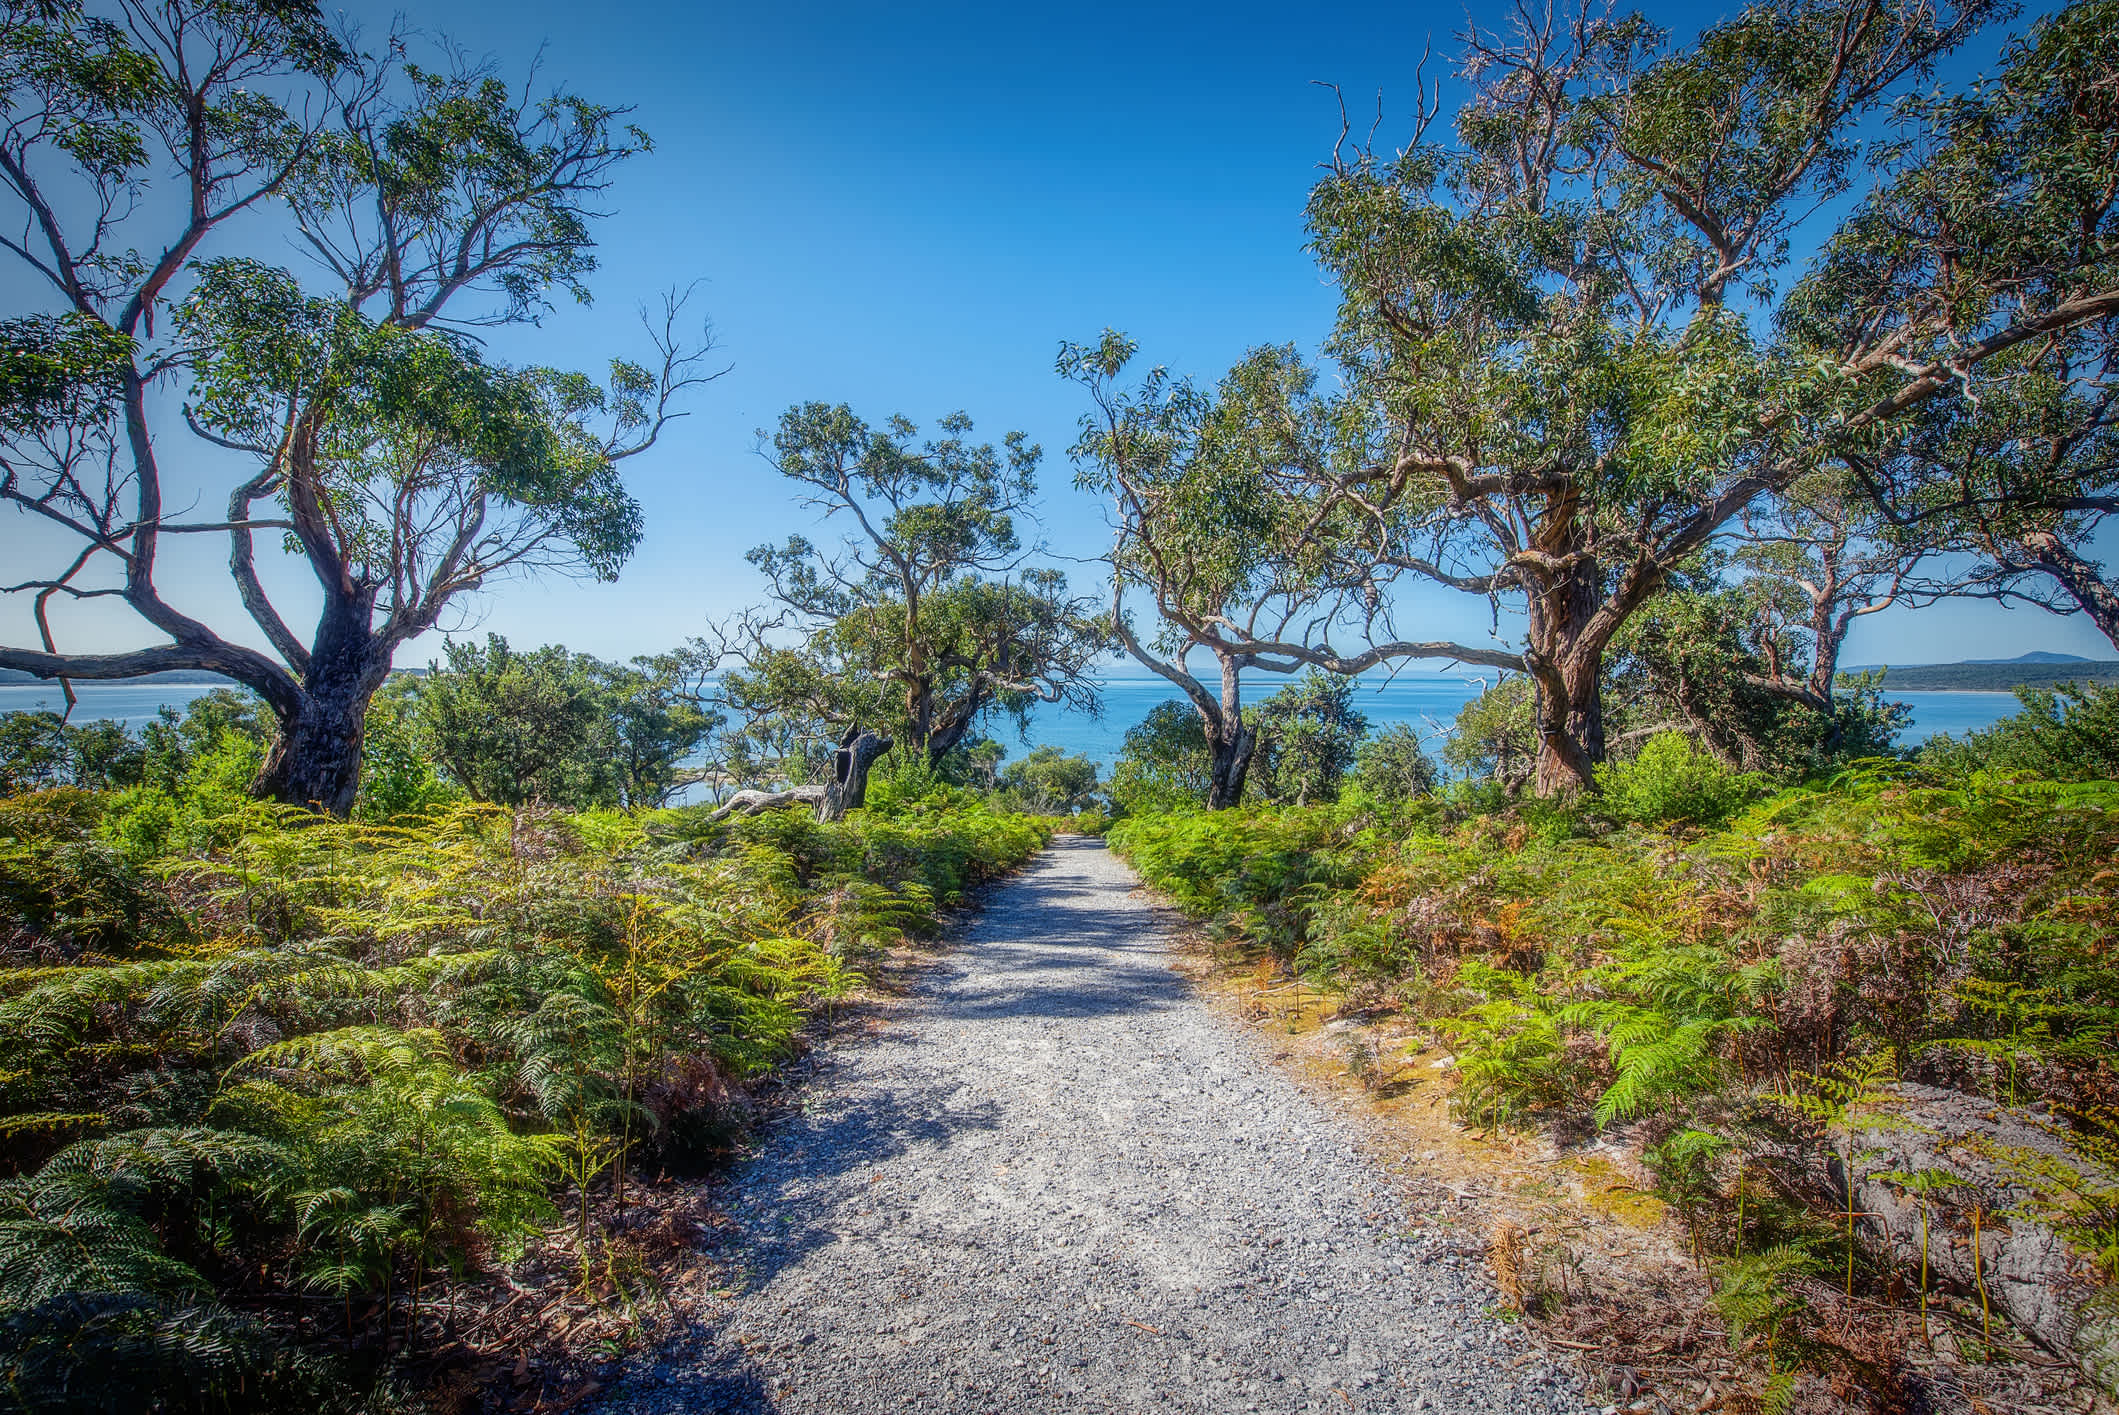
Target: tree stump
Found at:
847, 790
850, 765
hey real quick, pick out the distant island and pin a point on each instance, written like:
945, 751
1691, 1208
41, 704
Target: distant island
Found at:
2040, 669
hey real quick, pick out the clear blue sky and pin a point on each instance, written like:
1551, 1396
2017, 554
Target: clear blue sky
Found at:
906, 208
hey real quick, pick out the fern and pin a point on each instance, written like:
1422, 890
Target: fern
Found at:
1754, 1294
78, 1224
132, 1351
367, 1056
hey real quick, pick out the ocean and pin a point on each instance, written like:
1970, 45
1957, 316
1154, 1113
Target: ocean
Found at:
1427, 700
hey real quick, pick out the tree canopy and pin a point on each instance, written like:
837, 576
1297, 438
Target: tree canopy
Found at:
343, 399
1581, 334
927, 617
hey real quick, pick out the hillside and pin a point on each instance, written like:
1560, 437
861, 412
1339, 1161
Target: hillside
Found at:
2032, 670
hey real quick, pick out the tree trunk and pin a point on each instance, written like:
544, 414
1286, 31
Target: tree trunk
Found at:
316, 760
848, 791
1564, 653
1231, 764
954, 728
1230, 742
1571, 726
1567, 665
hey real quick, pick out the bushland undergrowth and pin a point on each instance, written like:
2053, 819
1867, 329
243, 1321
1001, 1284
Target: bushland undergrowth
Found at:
1737, 973
270, 1095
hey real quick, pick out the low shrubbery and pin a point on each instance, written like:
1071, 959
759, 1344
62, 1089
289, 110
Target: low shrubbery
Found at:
1736, 968
254, 1055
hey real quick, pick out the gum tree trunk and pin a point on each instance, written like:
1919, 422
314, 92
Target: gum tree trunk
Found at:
315, 762
848, 791
1565, 656
1230, 742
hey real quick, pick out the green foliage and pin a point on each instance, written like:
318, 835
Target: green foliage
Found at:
1511, 1061
1164, 763
56, 368
33, 752
1495, 734
397, 776
1308, 733
1754, 1297
98, 1313
1048, 782
1743, 991
350, 409
1672, 782
63, 889
362, 1059
1393, 768
517, 727
549, 726
1713, 658
2068, 733
195, 775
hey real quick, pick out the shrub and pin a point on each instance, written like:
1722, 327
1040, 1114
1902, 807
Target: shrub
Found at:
1307, 736
1495, 734
1164, 764
397, 779
1392, 768
1048, 782
2065, 733
1672, 782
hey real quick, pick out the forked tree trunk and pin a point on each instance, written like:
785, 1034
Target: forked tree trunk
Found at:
1571, 727
850, 765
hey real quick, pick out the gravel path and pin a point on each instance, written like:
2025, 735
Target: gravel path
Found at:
1058, 1182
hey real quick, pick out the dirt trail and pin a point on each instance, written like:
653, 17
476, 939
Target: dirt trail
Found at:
1058, 1182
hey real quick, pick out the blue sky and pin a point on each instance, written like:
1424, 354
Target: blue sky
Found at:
907, 209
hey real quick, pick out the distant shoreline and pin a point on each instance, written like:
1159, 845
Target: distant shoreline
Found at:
1992, 678
16, 678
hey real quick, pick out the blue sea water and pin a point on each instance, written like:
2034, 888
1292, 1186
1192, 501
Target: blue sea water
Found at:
134, 704
1426, 700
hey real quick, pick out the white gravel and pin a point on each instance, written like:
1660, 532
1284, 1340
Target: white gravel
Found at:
1058, 1182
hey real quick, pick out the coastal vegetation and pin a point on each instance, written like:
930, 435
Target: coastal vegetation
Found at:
1749, 982
1994, 677
352, 997
284, 1099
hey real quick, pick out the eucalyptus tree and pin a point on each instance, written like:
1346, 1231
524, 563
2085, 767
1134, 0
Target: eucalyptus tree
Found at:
2017, 485
1818, 558
1579, 331
2004, 208
159, 157
1215, 525
926, 618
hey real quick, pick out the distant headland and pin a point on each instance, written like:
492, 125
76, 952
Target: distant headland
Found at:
2040, 669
